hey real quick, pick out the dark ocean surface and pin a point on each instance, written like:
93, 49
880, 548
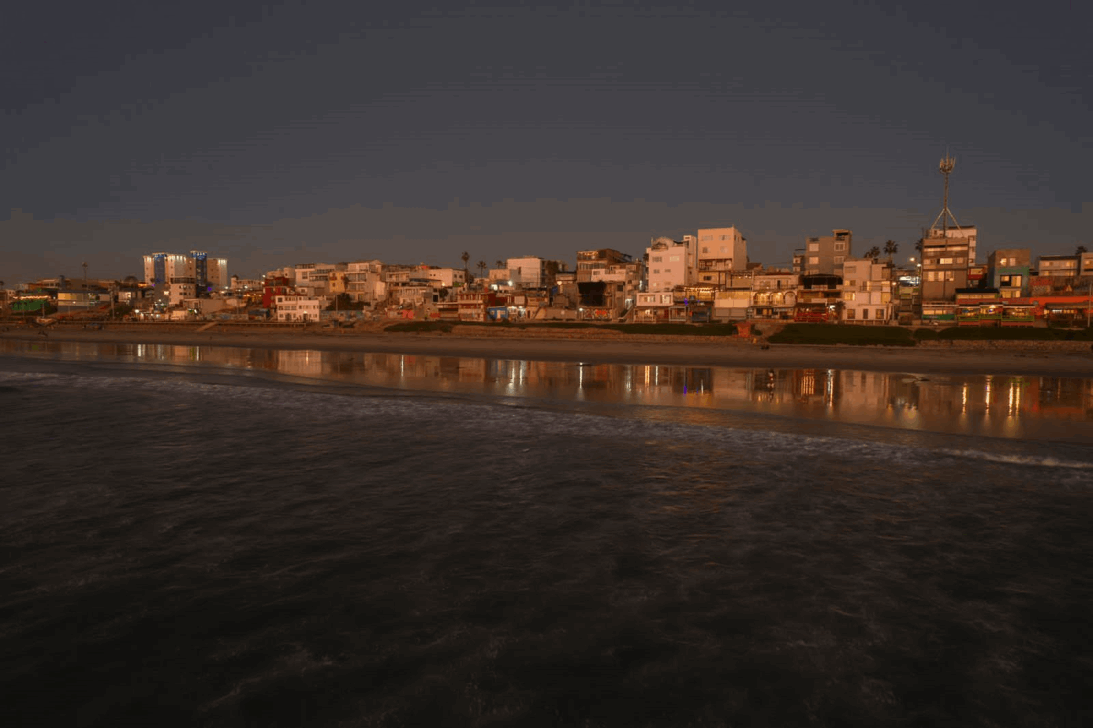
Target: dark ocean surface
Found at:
236, 537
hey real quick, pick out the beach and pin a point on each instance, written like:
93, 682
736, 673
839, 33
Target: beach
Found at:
1059, 359
295, 528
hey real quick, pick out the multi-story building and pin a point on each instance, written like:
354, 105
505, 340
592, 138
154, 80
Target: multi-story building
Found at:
500, 279
773, 294
365, 283
733, 301
315, 277
653, 307
86, 299
195, 273
622, 283
288, 272
1008, 271
1059, 266
473, 304
946, 256
528, 272
819, 298
164, 269
590, 260
274, 286
210, 273
297, 308
824, 255
1085, 264
967, 233
721, 253
670, 263
446, 277
867, 291
245, 284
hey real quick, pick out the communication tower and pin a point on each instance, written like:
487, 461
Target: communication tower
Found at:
946, 168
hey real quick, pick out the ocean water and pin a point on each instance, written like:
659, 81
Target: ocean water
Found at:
236, 537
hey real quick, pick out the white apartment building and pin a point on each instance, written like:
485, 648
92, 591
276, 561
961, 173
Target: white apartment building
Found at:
867, 291
446, 277
526, 272
671, 264
721, 252
365, 283
297, 308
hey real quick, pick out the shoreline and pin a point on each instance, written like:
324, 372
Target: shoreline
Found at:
603, 348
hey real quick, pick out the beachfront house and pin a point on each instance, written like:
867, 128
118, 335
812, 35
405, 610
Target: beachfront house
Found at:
867, 291
669, 264
722, 255
773, 294
294, 308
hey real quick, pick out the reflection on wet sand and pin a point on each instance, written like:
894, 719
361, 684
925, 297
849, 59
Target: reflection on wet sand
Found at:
1001, 406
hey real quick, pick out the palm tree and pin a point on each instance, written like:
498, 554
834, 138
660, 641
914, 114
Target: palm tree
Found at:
500, 263
482, 268
1080, 249
466, 256
891, 247
873, 253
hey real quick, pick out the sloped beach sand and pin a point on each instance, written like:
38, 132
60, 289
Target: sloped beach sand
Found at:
1064, 359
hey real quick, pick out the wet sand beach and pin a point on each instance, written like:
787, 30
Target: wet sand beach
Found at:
1063, 359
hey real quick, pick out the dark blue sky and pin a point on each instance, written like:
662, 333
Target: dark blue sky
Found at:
337, 130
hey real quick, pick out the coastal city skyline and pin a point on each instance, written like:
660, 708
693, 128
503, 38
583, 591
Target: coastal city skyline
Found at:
410, 134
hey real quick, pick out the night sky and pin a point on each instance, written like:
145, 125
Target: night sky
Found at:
336, 131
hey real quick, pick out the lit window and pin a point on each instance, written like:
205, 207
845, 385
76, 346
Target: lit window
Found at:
813, 247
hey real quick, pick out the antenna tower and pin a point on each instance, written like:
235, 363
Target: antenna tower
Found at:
946, 168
